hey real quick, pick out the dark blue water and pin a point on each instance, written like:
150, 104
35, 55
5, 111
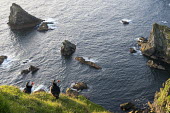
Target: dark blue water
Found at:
94, 26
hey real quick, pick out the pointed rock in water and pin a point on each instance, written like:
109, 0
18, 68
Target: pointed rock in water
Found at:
24, 72
132, 50
20, 19
43, 27
80, 86
2, 58
82, 60
158, 44
33, 69
68, 48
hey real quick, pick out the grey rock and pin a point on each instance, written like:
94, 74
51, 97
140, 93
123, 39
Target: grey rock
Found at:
20, 19
80, 86
68, 48
71, 92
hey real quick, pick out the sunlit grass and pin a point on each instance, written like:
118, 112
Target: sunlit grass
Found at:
12, 100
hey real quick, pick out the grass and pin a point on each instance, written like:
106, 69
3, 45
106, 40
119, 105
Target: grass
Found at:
12, 100
162, 98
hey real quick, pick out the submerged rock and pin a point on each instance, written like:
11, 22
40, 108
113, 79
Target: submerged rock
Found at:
125, 22
33, 69
80, 86
152, 64
158, 44
71, 92
20, 19
43, 27
127, 106
68, 48
132, 50
82, 60
2, 58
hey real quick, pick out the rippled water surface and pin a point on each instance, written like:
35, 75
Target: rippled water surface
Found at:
94, 26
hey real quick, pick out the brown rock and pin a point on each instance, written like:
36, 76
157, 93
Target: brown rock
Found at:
71, 92
43, 27
127, 106
82, 60
152, 64
24, 72
132, 50
80, 86
33, 69
2, 58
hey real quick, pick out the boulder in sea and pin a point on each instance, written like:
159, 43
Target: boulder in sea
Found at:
20, 19
132, 50
82, 60
2, 58
127, 106
33, 69
153, 64
68, 48
158, 44
24, 72
124, 22
80, 86
71, 92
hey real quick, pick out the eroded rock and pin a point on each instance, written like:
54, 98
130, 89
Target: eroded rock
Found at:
153, 64
80, 86
71, 92
24, 72
68, 48
132, 50
33, 69
2, 58
20, 19
82, 60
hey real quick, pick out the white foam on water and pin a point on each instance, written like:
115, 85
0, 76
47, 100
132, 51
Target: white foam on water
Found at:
169, 4
90, 59
40, 87
7, 63
138, 51
53, 25
165, 22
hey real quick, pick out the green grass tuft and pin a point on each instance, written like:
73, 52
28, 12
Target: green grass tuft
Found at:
12, 100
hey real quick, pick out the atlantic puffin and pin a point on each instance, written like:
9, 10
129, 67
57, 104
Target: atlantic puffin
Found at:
28, 88
55, 90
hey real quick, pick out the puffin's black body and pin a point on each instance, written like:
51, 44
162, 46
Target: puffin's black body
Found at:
55, 90
28, 88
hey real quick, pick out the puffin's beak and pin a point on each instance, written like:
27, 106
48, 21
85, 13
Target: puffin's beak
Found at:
32, 83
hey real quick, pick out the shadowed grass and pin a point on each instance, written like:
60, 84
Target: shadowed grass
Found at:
12, 100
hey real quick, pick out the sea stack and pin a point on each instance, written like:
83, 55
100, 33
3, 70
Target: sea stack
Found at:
158, 44
68, 48
20, 19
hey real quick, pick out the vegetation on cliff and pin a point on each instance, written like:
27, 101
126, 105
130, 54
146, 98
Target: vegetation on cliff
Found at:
162, 99
12, 100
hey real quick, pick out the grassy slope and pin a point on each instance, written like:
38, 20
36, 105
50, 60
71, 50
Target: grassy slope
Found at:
12, 100
162, 99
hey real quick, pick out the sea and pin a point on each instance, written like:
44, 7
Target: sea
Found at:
96, 29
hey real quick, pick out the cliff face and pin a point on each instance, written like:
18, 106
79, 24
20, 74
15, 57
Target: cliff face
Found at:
162, 99
158, 45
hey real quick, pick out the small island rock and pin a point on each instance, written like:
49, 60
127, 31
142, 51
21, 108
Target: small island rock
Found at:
24, 72
33, 69
80, 86
20, 19
68, 48
82, 60
2, 58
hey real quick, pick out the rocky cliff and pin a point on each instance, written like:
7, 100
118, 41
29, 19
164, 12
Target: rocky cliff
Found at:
158, 45
162, 99
20, 19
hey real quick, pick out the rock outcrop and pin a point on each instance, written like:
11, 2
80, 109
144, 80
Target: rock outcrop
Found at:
71, 92
155, 65
82, 60
68, 48
127, 106
80, 86
158, 44
2, 58
20, 19
33, 69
